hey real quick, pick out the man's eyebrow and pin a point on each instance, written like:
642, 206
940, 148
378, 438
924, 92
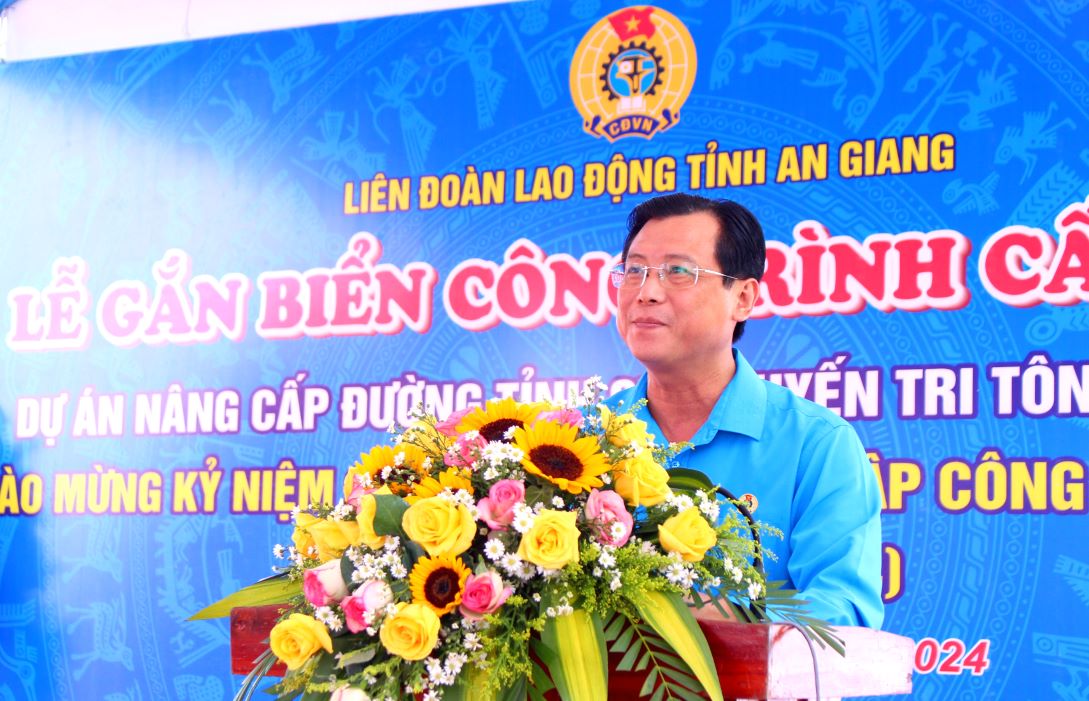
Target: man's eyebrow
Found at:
668, 256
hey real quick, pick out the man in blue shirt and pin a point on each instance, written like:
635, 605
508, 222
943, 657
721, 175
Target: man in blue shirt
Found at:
804, 465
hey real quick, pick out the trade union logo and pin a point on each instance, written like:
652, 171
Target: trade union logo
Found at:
632, 72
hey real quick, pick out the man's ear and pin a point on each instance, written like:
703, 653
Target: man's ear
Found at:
748, 291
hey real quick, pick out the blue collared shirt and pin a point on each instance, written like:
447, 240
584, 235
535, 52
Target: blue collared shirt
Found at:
812, 479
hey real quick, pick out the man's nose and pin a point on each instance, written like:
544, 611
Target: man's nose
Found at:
652, 291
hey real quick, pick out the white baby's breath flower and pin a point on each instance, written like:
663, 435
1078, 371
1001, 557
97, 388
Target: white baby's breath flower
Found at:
680, 502
557, 501
494, 549
343, 511
755, 590
511, 563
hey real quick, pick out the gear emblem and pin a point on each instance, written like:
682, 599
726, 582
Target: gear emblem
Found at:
632, 72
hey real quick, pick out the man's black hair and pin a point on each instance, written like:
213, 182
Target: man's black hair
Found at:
739, 249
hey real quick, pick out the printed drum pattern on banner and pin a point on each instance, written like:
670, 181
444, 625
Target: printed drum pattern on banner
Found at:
231, 265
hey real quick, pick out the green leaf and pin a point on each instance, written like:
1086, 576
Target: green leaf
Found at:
282, 695
387, 515
683, 692
685, 680
648, 683
579, 644
412, 552
786, 606
325, 665
277, 589
347, 569
361, 656
623, 641
643, 661
670, 618
628, 660
252, 680
471, 686
613, 627
542, 683
516, 692
686, 480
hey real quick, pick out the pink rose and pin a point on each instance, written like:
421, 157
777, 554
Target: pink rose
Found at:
324, 585
497, 509
464, 450
449, 425
606, 508
483, 594
571, 417
361, 607
358, 490
347, 693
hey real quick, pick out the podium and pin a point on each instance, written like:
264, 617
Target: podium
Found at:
754, 661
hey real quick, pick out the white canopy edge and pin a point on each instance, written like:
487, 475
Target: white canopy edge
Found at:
33, 29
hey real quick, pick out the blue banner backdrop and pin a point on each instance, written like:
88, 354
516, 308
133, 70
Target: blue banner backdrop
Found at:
228, 265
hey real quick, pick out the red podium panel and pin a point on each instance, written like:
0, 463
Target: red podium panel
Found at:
753, 661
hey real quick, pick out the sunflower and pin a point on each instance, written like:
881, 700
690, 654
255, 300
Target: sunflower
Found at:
495, 418
438, 582
553, 451
406, 463
430, 487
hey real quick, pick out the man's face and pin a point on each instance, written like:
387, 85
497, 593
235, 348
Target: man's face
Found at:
671, 329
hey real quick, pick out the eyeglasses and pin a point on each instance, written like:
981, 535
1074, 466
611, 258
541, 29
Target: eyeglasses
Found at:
677, 274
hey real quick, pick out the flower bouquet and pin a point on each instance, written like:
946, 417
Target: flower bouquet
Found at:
499, 553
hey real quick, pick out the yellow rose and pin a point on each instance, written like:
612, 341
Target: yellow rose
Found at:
412, 632
364, 517
552, 541
301, 537
332, 536
641, 481
622, 429
440, 526
297, 638
687, 534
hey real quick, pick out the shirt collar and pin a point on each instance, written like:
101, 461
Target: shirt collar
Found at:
740, 408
